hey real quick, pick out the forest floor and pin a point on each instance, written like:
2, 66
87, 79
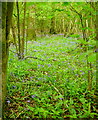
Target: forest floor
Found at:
54, 85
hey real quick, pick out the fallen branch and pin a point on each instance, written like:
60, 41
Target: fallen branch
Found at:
28, 56
33, 58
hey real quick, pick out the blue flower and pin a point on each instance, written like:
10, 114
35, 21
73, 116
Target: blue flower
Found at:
39, 65
73, 69
28, 101
11, 59
76, 74
8, 101
60, 34
11, 73
13, 86
39, 78
61, 98
31, 77
35, 50
33, 96
49, 65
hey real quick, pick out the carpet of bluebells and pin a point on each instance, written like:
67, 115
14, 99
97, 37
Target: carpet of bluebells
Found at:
52, 86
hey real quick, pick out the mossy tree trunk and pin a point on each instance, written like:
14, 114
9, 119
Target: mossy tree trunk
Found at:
7, 9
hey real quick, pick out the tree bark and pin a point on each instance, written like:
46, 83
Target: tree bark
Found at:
96, 38
18, 27
23, 39
7, 9
52, 27
81, 20
27, 32
14, 36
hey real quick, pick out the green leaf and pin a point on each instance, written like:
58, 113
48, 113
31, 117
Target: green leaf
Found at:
30, 108
55, 2
92, 58
59, 10
30, 4
83, 100
65, 3
50, 16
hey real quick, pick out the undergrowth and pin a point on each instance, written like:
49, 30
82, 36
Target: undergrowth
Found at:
54, 86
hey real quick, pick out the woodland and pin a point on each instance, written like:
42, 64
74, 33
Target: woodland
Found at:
49, 60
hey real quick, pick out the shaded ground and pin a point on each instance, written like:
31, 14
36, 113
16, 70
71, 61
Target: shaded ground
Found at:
53, 86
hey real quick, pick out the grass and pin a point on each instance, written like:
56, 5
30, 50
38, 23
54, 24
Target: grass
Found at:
53, 87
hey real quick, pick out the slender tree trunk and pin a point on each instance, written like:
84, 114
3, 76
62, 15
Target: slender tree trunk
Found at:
96, 38
18, 26
7, 9
27, 32
83, 28
81, 20
42, 27
89, 75
52, 29
0, 60
14, 36
23, 39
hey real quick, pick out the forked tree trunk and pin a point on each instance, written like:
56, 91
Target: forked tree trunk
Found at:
82, 22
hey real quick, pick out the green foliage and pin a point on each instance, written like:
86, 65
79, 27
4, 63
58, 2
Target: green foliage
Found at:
92, 57
52, 80
53, 88
65, 3
75, 35
29, 4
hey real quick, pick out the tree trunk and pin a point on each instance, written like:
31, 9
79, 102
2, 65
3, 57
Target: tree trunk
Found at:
18, 27
7, 9
14, 36
96, 38
23, 39
0, 62
52, 29
81, 20
27, 32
